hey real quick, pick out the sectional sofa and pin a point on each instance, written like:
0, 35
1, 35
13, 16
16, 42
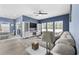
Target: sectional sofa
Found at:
64, 44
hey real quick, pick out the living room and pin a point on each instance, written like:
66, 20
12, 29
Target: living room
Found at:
38, 29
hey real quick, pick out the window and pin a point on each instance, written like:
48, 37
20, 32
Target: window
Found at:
50, 26
43, 26
58, 26
39, 27
5, 27
25, 27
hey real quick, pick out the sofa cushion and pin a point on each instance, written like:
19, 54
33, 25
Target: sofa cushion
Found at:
66, 41
63, 49
66, 36
66, 33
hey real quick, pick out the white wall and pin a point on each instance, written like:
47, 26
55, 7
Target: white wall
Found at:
15, 10
74, 25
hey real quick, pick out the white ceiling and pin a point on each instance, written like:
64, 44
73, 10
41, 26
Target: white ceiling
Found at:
15, 10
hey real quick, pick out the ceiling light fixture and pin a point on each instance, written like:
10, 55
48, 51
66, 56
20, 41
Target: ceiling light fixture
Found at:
40, 13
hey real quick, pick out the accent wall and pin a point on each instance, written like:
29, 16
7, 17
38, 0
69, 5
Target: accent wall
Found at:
64, 18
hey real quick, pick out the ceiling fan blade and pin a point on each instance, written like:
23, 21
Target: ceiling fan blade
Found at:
40, 13
35, 13
44, 13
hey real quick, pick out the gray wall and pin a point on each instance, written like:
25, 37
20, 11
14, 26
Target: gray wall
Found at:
8, 20
74, 25
64, 18
29, 19
24, 18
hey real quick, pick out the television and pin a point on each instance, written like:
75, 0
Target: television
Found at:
33, 25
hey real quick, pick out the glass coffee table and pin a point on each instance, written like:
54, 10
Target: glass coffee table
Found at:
40, 51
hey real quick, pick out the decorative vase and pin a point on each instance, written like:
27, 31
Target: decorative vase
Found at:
35, 46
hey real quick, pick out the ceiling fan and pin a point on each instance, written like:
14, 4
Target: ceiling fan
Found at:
40, 13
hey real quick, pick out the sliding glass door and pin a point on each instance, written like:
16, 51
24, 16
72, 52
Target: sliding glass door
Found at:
43, 27
58, 26
51, 26
39, 28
